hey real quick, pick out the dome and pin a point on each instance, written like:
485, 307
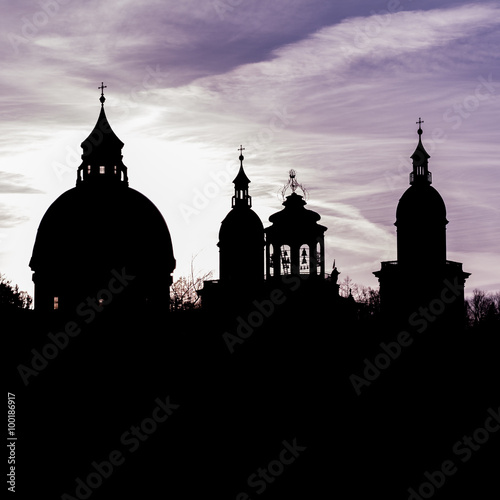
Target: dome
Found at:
241, 223
89, 228
90, 235
423, 202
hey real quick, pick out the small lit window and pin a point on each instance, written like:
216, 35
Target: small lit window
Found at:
114, 169
56, 303
101, 169
89, 169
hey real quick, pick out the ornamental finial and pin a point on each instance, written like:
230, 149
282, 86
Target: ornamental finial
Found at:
419, 123
293, 184
102, 98
241, 157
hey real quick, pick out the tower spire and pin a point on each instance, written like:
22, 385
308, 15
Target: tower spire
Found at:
420, 157
102, 153
241, 182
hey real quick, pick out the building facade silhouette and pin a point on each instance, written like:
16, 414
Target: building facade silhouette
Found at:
294, 252
421, 276
101, 238
101, 231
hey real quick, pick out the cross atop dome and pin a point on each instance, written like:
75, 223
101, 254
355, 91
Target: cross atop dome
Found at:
419, 123
101, 88
241, 157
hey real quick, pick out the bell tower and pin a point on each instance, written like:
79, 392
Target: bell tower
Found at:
295, 242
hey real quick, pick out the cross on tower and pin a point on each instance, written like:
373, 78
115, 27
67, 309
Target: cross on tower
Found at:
419, 123
102, 98
241, 149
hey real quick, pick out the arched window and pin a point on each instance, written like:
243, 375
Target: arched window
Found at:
271, 260
319, 258
285, 263
305, 259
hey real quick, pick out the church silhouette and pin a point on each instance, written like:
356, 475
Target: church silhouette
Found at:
100, 226
276, 387
422, 274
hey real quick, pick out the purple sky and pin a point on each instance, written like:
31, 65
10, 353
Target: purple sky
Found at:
331, 89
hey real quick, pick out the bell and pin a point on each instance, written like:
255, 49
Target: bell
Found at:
304, 255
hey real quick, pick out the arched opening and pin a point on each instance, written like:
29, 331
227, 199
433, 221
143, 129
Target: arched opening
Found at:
319, 258
270, 265
285, 263
305, 259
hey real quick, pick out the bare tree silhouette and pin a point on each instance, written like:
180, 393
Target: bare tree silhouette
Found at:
11, 297
184, 291
482, 307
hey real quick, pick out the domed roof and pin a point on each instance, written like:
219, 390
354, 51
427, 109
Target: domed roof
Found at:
241, 223
421, 201
295, 218
91, 227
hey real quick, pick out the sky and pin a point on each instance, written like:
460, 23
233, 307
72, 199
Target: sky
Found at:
331, 89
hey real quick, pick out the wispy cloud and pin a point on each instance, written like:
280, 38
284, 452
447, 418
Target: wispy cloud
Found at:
10, 217
16, 183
